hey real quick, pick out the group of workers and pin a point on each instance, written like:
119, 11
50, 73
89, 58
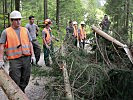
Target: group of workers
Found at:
22, 49
78, 34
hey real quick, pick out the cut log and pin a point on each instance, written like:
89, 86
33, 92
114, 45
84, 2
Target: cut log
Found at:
10, 88
66, 77
67, 83
108, 37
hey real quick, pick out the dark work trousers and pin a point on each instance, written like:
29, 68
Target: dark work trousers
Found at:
48, 52
19, 71
37, 50
82, 44
75, 41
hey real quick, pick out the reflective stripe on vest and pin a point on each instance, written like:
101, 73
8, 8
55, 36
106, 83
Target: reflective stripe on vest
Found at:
16, 48
82, 33
48, 37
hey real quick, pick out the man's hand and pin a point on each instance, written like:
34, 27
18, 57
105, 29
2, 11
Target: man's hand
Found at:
33, 60
2, 64
48, 47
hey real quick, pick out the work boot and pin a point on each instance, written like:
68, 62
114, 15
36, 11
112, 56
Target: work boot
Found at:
47, 64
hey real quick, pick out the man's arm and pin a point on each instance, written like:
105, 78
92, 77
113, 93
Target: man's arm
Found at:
27, 26
102, 23
67, 30
3, 39
54, 38
32, 51
37, 29
1, 52
45, 43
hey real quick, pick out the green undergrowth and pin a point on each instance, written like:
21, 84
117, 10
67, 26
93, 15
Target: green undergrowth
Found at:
90, 79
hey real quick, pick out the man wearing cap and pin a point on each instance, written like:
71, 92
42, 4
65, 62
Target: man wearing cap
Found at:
16, 41
105, 24
82, 35
33, 30
47, 42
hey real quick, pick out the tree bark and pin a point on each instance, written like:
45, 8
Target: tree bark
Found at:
57, 14
5, 6
127, 16
10, 88
17, 5
11, 5
66, 77
45, 9
4, 13
108, 37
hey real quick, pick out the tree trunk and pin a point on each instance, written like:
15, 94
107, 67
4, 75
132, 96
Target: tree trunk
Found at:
57, 14
5, 6
8, 19
66, 78
10, 88
17, 5
45, 9
127, 16
108, 37
4, 13
11, 5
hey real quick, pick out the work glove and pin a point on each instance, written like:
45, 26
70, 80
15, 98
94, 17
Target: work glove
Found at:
2, 64
33, 60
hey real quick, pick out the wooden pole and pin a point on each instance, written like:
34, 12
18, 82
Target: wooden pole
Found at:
10, 88
108, 37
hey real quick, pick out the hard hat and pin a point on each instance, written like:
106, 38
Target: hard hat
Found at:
47, 21
75, 23
15, 15
82, 23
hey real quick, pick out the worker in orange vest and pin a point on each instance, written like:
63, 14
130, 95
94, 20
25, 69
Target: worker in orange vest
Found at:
47, 42
82, 35
75, 33
19, 50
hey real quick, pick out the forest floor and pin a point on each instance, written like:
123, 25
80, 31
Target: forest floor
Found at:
36, 87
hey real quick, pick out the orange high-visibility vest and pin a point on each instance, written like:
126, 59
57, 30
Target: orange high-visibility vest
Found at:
75, 33
48, 37
16, 48
82, 33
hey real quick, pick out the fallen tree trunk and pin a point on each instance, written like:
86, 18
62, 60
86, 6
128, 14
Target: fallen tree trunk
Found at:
108, 37
10, 88
66, 77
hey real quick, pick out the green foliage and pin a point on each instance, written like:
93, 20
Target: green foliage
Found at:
121, 16
39, 72
71, 9
119, 87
